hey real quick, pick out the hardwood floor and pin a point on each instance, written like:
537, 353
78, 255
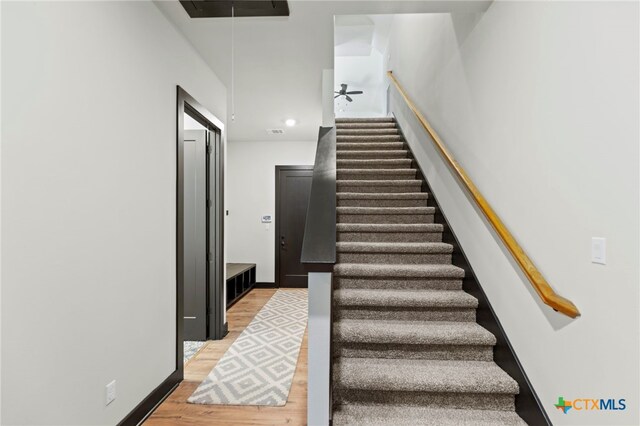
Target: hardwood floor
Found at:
176, 411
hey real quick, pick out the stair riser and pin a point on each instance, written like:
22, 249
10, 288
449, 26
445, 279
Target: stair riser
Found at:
397, 283
363, 146
404, 314
390, 237
502, 402
395, 258
368, 138
373, 189
382, 203
418, 351
374, 176
385, 218
368, 155
358, 164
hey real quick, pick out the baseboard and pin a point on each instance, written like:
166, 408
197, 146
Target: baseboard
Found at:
528, 404
265, 285
149, 404
301, 285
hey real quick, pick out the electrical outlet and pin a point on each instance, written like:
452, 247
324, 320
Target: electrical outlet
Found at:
110, 392
599, 250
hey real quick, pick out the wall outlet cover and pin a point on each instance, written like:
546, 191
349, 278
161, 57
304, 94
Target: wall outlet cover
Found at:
110, 392
599, 250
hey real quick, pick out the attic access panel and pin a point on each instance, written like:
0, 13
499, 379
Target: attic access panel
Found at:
243, 8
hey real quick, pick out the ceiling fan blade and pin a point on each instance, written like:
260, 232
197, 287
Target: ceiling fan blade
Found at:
348, 98
336, 96
355, 92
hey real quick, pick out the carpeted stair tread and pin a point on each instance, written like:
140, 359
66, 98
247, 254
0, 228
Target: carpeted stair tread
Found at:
389, 163
386, 210
368, 146
379, 182
379, 374
412, 332
377, 154
388, 232
368, 197
405, 415
366, 126
382, 195
356, 172
368, 138
405, 298
389, 227
378, 174
381, 247
343, 120
378, 185
397, 271
355, 132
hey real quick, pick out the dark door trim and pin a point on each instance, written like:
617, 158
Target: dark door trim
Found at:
216, 328
277, 227
186, 103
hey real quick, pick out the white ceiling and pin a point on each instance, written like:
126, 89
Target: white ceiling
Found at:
353, 35
279, 60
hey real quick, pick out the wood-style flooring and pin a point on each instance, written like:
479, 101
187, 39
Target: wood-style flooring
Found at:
176, 411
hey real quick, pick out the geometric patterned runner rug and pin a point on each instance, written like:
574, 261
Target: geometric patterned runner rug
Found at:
258, 367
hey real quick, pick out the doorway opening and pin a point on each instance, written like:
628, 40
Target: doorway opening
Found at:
293, 186
200, 230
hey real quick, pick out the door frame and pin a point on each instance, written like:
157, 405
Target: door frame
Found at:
215, 317
163, 390
277, 210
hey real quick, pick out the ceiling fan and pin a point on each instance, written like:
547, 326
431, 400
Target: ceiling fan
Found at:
343, 92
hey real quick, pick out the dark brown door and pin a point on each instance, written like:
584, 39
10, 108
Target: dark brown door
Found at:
293, 185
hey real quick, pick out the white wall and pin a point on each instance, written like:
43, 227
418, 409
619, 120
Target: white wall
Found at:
251, 193
88, 205
539, 102
361, 73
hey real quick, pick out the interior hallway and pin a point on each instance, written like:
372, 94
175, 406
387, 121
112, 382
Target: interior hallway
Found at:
176, 411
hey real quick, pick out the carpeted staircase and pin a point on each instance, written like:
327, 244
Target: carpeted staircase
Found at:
407, 348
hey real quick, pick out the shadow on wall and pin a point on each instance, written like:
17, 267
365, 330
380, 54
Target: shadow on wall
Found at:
463, 25
439, 171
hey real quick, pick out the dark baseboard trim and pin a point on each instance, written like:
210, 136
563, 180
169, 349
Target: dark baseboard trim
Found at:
296, 286
265, 285
528, 404
149, 404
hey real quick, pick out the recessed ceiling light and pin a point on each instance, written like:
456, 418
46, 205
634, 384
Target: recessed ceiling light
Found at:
290, 122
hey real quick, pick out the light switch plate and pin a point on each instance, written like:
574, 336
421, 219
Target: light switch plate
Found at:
110, 392
599, 250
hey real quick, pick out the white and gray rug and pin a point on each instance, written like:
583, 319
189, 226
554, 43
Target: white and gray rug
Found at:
259, 366
190, 349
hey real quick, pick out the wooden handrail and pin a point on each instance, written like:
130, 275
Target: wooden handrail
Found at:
541, 286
